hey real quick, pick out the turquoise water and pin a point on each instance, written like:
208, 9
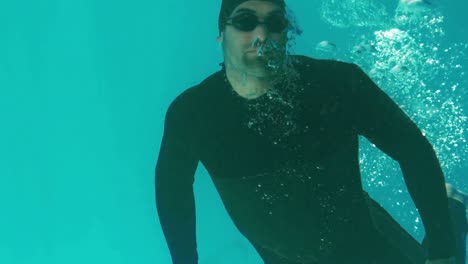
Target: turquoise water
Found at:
84, 86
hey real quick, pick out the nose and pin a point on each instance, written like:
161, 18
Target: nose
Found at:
261, 33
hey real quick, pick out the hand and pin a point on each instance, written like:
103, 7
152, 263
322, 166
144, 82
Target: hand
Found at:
441, 261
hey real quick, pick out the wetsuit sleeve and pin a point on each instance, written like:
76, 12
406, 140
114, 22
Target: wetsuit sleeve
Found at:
174, 178
379, 119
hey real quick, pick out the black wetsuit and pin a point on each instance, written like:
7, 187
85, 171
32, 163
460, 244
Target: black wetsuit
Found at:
288, 170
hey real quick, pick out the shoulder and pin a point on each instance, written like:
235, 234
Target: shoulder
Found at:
191, 100
326, 76
322, 66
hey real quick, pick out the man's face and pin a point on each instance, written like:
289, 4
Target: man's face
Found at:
239, 51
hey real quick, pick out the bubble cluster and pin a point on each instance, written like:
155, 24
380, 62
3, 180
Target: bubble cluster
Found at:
285, 184
409, 61
353, 13
423, 78
274, 115
413, 11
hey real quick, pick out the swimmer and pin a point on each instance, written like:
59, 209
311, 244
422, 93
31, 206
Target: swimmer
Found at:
363, 48
326, 46
455, 194
281, 146
414, 6
416, 2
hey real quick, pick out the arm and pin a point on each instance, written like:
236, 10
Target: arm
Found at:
380, 120
174, 179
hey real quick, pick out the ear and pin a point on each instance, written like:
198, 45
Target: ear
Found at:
219, 39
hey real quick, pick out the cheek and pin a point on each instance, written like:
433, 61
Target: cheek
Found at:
236, 44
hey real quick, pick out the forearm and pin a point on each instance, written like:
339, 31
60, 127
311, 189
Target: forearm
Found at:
176, 203
177, 218
425, 182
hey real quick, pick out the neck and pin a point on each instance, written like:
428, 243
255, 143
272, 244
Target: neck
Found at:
247, 85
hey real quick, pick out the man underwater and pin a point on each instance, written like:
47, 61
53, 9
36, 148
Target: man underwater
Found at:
278, 135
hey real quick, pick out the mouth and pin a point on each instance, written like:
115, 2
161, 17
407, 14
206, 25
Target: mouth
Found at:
261, 51
255, 49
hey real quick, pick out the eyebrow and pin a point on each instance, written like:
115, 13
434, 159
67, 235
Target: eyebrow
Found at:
251, 11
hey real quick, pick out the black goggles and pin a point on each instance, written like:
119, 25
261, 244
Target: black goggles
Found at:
248, 22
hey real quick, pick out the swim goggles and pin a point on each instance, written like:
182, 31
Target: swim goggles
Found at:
248, 22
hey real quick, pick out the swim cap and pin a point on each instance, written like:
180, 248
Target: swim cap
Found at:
228, 6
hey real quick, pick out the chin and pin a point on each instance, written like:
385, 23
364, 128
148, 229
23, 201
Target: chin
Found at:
259, 72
